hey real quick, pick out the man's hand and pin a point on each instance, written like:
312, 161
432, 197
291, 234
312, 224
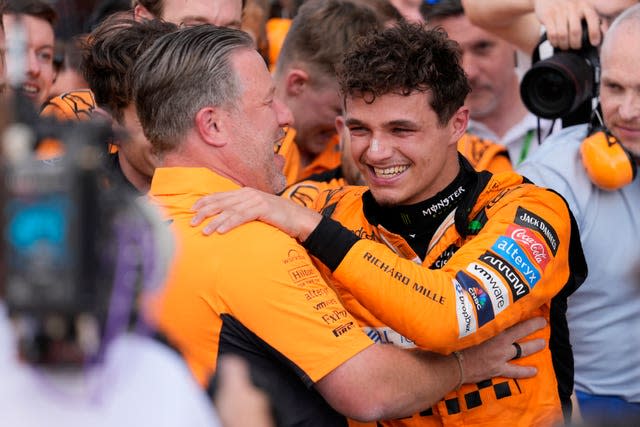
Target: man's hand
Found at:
491, 358
562, 21
520, 21
234, 208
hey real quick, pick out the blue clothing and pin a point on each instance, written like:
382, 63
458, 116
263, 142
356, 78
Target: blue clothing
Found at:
604, 313
606, 410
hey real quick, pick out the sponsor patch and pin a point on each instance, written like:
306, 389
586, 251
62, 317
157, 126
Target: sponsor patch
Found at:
325, 304
294, 256
334, 316
444, 257
507, 248
496, 289
529, 241
386, 335
315, 293
467, 322
303, 273
534, 222
447, 201
343, 329
518, 287
480, 299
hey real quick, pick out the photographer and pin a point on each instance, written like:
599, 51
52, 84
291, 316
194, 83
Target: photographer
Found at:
604, 314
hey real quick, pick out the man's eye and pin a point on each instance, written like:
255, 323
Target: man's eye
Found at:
357, 130
613, 87
45, 56
401, 131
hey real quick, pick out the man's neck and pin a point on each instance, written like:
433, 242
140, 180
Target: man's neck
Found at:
140, 181
417, 223
305, 158
505, 117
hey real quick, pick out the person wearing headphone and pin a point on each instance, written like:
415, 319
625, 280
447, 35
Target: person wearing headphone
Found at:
593, 167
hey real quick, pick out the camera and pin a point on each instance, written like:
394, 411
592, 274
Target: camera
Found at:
79, 248
564, 84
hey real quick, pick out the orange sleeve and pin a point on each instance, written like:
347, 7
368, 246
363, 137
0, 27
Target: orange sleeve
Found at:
499, 163
484, 154
520, 257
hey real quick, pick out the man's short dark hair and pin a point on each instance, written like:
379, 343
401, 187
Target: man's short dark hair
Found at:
37, 8
182, 73
404, 59
109, 54
322, 31
441, 10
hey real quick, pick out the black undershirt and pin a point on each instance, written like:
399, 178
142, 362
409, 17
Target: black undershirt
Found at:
417, 223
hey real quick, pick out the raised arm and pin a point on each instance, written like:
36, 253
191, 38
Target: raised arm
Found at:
521, 21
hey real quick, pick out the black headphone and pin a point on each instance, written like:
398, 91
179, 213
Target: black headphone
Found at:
608, 163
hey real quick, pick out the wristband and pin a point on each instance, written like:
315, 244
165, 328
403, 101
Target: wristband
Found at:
459, 358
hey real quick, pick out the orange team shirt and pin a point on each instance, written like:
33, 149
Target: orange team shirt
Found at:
277, 29
253, 291
467, 289
484, 154
77, 105
329, 159
305, 192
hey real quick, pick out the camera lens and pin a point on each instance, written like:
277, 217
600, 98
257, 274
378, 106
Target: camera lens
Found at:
556, 86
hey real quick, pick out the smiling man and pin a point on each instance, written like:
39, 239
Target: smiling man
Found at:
36, 19
433, 254
206, 103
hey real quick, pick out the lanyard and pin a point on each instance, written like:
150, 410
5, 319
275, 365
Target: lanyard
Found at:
525, 146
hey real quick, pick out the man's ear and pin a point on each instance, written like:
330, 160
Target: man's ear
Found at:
140, 13
341, 129
458, 124
208, 126
339, 124
296, 81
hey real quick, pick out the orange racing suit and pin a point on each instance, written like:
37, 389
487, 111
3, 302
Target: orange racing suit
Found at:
505, 251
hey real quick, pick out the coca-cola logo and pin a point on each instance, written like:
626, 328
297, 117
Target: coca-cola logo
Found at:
534, 246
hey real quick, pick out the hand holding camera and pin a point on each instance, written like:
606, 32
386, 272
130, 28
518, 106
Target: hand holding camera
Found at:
562, 21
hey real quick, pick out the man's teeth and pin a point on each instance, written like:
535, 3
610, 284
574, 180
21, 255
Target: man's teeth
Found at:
390, 172
30, 89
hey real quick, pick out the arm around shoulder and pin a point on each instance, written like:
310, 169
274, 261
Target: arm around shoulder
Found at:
384, 381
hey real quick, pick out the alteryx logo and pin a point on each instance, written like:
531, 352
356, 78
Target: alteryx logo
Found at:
508, 249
